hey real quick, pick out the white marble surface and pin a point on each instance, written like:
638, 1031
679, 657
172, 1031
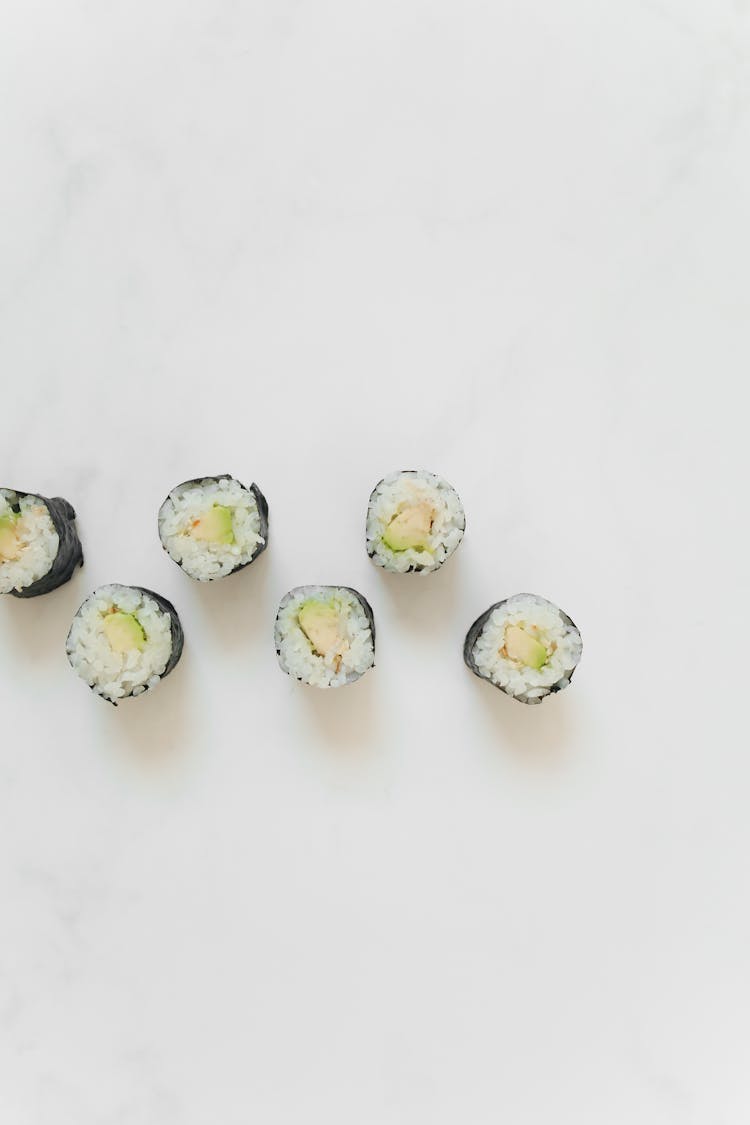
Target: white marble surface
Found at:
308, 244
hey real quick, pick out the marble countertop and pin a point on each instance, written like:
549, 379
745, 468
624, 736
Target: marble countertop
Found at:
309, 244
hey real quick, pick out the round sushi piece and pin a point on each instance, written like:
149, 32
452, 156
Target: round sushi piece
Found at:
39, 544
325, 635
213, 526
524, 645
124, 640
415, 521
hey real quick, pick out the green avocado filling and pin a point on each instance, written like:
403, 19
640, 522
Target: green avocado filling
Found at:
410, 529
215, 526
124, 632
9, 545
321, 623
524, 648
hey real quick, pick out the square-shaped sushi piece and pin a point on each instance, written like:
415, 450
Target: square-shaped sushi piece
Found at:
213, 526
39, 544
415, 521
325, 635
124, 640
525, 646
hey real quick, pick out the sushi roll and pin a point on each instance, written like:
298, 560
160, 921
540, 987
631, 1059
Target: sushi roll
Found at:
325, 635
415, 521
39, 544
213, 526
124, 640
525, 646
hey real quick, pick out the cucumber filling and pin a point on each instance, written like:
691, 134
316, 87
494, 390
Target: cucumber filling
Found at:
523, 647
215, 526
10, 544
322, 624
411, 527
124, 632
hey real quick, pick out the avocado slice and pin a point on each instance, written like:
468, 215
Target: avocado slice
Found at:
9, 546
124, 632
410, 528
521, 646
215, 526
321, 624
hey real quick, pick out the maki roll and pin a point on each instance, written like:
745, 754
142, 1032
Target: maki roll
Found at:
325, 635
415, 521
525, 646
39, 544
213, 526
124, 640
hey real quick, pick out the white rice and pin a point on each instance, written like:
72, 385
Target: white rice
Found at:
556, 632
296, 654
188, 503
116, 675
38, 542
396, 492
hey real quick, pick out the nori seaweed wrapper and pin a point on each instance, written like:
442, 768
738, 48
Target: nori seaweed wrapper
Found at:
473, 635
178, 639
178, 633
69, 552
260, 500
415, 568
362, 601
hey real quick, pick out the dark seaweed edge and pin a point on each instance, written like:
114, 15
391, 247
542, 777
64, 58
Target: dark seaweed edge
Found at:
413, 569
473, 635
178, 638
260, 500
369, 614
69, 551
178, 633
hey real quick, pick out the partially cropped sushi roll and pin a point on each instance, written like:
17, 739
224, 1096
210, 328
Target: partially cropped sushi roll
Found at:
39, 544
124, 640
415, 521
213, 526
325, 635
524, 645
